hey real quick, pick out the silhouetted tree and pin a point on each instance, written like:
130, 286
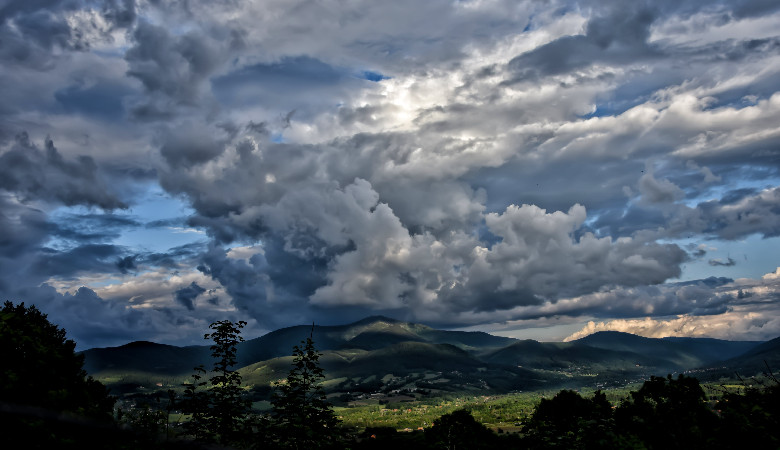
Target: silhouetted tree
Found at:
459, 430
303, 418
46, 398
750, 419
218, 406
668, 413
570, 421
41, 369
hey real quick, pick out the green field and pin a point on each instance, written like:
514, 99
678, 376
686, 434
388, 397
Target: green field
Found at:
495, 411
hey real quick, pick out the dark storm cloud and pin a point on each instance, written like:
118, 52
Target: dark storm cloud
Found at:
617, 37
33, 32
78, 260
33, 174
28, 37
736, 195
759, 213
299, 83
93, 321
121, 13
174, 69
697, 300
297, 275
21, 229
87, 317
189, 145
696, 251
258, 128
90, 228
595, 183
166, 223
246, 285
26, 263
126, 264
752, 8
175, 256
13, 7
662, 205
717, 262
734, 309
26, 258
711, 296
102, 100
187, 295
709, 282
277, 279
617, 222
658, 191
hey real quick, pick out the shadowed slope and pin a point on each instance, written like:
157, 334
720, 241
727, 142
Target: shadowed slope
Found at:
671, 353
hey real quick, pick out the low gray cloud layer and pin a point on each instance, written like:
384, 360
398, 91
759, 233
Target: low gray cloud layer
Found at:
462, 164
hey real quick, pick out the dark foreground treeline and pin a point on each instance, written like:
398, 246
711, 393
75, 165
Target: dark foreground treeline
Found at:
48, 401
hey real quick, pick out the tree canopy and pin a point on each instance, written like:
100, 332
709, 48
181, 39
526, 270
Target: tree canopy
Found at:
668, 413
570, 421
219, 408
303, 417
459, 430
41, 369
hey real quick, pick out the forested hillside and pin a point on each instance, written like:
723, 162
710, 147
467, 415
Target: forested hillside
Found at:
380, 356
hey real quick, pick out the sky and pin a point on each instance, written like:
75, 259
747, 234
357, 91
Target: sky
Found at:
535, 169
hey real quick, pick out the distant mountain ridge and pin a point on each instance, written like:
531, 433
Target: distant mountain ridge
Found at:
678, 352
761, 358
371, 333
146, 357
380, 353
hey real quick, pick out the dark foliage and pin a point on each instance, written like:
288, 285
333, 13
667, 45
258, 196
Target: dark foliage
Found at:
41, 369
387, 438
668, 413
569, 421
302, 416
459, 430
149, 418
218, 406
751, 419
46, 398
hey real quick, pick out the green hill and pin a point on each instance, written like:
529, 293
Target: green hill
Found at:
370, 333
409, 366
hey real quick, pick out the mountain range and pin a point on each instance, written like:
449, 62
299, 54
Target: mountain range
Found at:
379, 355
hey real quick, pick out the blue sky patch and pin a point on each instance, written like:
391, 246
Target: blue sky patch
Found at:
373, 76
